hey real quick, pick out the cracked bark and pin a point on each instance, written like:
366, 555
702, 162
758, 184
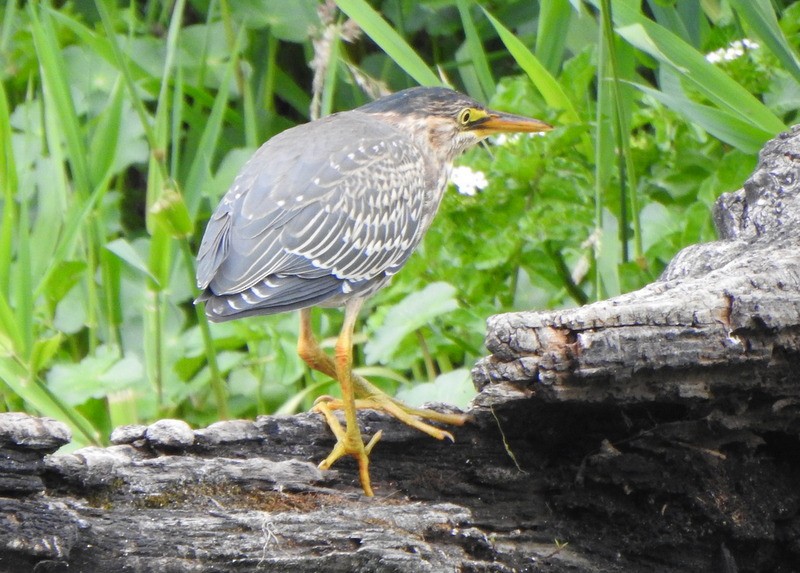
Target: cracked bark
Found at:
655, 431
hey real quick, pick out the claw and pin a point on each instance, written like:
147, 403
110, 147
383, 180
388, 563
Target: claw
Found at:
348, 437
324, 398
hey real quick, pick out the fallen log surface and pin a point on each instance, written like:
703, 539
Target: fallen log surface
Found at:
655, 431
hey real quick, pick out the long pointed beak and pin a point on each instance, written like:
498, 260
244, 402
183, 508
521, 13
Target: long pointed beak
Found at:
500, 122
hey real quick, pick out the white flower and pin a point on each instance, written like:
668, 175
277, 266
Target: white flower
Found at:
735, 49
467, 181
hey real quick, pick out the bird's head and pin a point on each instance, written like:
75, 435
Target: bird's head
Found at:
448, 121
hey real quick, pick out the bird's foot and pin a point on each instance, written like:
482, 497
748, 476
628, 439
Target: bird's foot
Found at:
377, 400
348, 442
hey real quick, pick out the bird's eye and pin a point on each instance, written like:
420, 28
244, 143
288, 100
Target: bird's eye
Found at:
464, 116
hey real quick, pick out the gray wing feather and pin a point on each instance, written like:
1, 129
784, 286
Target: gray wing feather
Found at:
317, 206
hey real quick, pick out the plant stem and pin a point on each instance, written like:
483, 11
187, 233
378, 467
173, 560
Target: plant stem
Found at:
217, 384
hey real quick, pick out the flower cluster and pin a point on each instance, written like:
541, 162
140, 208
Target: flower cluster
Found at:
467, 181
735, 49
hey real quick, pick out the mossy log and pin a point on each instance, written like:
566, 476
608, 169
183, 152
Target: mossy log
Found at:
655, 431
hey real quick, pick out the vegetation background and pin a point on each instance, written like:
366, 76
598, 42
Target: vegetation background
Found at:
123, 123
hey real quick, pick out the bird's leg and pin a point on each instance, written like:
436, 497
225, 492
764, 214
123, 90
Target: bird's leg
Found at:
370, 396
348, 440
309, 350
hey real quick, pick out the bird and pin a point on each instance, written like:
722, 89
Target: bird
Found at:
324, 214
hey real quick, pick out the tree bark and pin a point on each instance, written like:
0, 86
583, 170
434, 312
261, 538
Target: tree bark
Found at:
655, 431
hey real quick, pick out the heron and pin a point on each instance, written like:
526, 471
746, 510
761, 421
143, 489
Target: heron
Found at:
324, 214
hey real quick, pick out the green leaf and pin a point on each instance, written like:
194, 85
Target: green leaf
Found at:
692, 66
125, 251
53, 70
544, 81
552, 31
410, 314
11, 339
453, 387
293, 404
103, 147
200, 167
44, 349
477, 55
95, 376
40, 398
761, 18
389, 40
66, 275
171, 212
288, 21
8, 183
729, 128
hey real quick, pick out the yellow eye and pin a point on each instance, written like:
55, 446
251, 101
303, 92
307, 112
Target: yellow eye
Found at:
464, 116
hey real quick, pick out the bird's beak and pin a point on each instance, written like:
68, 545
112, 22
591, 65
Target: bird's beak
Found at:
500, 122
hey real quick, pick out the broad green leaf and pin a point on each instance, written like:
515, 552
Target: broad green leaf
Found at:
389, 40
410, 314
453, 387
95, 376
290, 21
98, 44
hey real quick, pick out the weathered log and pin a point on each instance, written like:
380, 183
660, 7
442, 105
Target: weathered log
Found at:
655, 431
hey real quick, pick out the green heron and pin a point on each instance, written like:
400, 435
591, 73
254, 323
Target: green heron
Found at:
324, 214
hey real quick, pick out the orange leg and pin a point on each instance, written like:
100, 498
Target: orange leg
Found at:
348, 439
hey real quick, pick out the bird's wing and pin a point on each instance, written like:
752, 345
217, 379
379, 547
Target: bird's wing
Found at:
337, 199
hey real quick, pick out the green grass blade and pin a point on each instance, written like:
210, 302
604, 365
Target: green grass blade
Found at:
544, 81
623, 102
104, 142
477, 55
760, 17
54, 76
9, 21
11, 340
40, 398
9, 184
331, 73
389, 40
200, 167
727, 127
712, 82
23, 290
551, 33
669, 17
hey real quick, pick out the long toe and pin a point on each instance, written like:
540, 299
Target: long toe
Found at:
348, 443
